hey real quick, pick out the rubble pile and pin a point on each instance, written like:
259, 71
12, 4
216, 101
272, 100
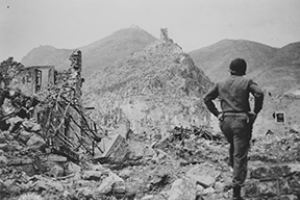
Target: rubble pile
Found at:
51, 149
28, 167
278, 147
275, 167
188, 163
145, 172
192, 146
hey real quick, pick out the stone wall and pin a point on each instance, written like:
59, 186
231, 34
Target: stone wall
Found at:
34, 80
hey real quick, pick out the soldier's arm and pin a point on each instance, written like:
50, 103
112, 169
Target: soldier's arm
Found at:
208, 100
258, 94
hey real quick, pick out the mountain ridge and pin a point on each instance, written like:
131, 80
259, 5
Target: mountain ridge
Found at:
266, 64
157, 86
96, 55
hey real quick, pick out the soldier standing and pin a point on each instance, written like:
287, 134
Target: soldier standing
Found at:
236, 118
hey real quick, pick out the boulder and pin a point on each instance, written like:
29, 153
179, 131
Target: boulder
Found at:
46, 185
72, 168
255, 188
115, 148
3, 146
24, 136
122, 130
2, 137
56, 158
10, 146
30, 196
35, 142
31, 126
56, 171
125, 173
204, 174
3, 161
112, 183
92, 175
85, 193
183, 189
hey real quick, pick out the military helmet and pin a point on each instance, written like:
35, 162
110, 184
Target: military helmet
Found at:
238, 66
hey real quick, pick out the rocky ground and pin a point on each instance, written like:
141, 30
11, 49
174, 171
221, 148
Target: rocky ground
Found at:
185, 164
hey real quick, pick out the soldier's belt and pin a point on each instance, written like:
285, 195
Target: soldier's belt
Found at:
235, 114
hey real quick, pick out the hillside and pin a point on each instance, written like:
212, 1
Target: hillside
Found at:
283, 72
155, 87
215, 59
48, 55
276, 69
96, 55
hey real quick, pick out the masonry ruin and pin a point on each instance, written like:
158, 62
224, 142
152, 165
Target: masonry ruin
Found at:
65, 126
164, 35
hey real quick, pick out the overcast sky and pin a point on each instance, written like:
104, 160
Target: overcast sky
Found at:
25, 24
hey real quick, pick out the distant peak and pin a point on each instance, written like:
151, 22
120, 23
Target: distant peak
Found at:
135, 27
132, 28
46, 47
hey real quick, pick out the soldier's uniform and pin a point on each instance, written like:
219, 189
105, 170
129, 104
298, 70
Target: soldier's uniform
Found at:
236, 118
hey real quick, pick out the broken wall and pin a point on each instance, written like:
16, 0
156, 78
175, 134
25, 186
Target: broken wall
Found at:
34, 80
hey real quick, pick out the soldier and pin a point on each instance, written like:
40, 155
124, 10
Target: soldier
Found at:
236, 118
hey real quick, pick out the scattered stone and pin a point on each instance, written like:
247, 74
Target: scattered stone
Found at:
31, 126
148, 197
30, 196
20, 161
24, 136
57, 158
56, 171
182, 189
85, 193
108, 185
116, 148
35, 142
92, 175
209, 190
3, 161
47, 184
219, 186
72, 168
122, 130
204, 174
3, 146
125, 173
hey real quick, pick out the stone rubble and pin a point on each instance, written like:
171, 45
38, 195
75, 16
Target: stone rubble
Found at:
182, 165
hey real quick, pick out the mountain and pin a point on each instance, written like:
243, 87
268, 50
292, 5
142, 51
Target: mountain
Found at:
96, 55
215, 59
283, 70
47, 55
157, 86
276, 69
114, 48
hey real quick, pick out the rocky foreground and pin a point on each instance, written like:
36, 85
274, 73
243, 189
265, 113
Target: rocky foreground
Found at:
185, 164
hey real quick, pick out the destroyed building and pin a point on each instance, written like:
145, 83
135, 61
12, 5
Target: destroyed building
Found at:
59, 112
35, 79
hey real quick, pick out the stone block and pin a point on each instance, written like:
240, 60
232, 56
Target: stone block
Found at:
183, 189
92, 175
116, 148
112, 183
204, 174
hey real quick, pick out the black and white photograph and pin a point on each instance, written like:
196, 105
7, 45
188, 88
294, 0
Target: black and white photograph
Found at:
149, 100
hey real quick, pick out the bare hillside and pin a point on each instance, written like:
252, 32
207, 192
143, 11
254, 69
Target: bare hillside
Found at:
96, 55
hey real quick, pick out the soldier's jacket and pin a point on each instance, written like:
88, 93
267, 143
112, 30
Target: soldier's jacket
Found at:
234, 95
